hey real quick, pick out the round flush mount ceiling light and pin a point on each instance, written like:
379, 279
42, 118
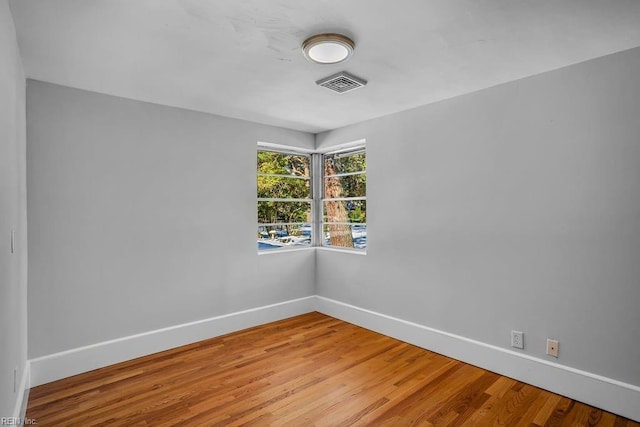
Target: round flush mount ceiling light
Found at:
328, 48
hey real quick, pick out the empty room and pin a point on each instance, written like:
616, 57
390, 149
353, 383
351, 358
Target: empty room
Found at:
328, 213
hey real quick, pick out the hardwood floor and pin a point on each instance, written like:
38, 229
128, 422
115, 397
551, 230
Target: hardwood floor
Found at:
306, 370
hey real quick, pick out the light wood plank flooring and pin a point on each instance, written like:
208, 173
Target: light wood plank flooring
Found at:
306, 370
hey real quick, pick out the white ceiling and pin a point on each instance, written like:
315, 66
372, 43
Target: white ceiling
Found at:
243, 59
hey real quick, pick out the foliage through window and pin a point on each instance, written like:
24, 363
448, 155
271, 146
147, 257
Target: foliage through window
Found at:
285, 202
344, 203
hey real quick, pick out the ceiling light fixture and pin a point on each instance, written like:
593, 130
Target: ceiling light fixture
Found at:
328, 48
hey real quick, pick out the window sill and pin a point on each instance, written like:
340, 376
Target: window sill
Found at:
347, 251
285, 250
313, 248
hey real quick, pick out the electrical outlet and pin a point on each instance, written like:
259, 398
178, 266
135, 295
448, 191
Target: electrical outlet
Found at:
517, 339
552, 347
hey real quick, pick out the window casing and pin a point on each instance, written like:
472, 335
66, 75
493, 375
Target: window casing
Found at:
344, 201
289, 216
285, 200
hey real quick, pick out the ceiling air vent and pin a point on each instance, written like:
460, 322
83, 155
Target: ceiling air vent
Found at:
341, 82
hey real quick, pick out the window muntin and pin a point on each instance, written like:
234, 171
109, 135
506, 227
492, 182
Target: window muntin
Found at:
344, 202
282, 187
284, 204
353, 185
287, 164
349, 211
283, 211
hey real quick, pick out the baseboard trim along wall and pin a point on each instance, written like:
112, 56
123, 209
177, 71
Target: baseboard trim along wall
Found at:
78, 360
605, 393
611, 395
22, 397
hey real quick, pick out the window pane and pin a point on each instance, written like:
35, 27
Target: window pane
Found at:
283, 164
279, 187
273, 212
345, 186
279, 236
345, 211
344, 163
345, 235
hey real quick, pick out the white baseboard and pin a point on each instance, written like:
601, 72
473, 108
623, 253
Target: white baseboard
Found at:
605, 393
78, 360
22, 397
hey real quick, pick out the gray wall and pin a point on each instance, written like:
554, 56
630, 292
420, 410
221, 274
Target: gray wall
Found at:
13, 267
516, 207
142, 217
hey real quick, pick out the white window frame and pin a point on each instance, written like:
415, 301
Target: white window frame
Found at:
273, 148
317, 179
347, 149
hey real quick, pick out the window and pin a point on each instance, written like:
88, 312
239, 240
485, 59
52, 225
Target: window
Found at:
285, 214
344, 203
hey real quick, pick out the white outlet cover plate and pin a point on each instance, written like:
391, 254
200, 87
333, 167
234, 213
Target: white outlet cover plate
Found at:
517, 339
552, 347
